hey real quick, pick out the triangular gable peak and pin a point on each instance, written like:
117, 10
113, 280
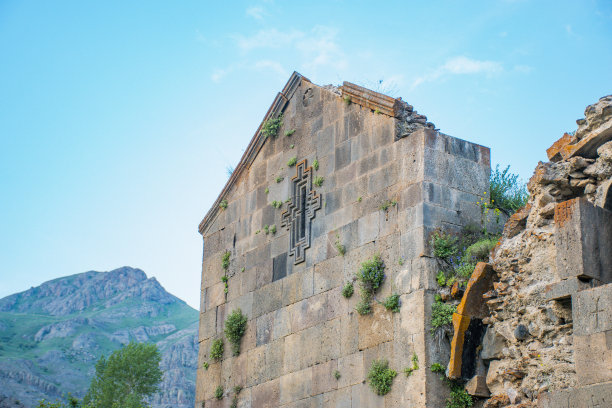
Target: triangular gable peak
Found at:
407, 121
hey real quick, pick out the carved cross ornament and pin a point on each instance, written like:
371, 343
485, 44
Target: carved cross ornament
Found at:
300, 212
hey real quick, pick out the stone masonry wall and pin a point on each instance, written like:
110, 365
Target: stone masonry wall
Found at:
300, 329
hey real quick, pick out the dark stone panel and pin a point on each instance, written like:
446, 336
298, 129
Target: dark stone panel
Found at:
343, 155
333, 201
473, 338
267, 216
279, 267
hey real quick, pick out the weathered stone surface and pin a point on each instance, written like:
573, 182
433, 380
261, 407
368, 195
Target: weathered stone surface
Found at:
565, 288
582, 239
492, 345
480, 282
592, 396
554, 151
593, 131
593, 354
477, 387
592, 310
266, 395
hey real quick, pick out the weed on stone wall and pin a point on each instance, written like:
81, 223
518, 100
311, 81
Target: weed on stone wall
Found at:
337, 375
318, 181
459, 398
271, 126
347, 290
315, 164
219, 392
223, 204
381, 377
279, 179
370, 277
415, 365
392, 303
384, 206
289, 132
292, 161
441, 314
216, 350
508, 194
347, 100
225, 260
339, 247
276, 204
237, 390
235, 327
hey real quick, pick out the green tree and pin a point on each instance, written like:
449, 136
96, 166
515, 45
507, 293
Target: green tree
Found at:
126, 378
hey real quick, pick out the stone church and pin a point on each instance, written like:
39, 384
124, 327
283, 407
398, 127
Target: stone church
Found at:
333, 177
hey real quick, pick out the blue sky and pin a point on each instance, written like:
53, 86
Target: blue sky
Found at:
118, 119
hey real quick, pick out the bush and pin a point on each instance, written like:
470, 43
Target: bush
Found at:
438, 368
444, 245
459, 398
381, 377
363, 307
372, 274
465, 269
318, 181
219, 392
415, 365
272, 126
347, 290
479, 251
507, 192
315, 164
216, 350
225, 260
223, 204
441, 278
441, 314
292, 161
235, 327
392, 303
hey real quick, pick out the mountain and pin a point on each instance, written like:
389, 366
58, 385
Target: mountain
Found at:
52, 335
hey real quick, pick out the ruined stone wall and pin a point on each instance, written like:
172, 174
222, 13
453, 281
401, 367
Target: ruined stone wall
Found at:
300, 329
549, 338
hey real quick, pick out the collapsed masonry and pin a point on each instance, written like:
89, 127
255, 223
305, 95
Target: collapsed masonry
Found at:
548, 290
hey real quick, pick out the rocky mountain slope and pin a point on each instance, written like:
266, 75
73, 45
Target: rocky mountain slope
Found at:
52, 335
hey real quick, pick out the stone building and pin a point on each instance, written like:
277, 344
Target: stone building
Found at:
332, 177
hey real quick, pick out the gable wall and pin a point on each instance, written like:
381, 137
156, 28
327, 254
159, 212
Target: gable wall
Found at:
300, 328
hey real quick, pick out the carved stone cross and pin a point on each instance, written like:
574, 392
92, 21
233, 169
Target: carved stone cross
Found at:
300, 212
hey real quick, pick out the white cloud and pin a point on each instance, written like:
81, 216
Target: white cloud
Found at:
524, 69
256, 12
273, 66
460, 66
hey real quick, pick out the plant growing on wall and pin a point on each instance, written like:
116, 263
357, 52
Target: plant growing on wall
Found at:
318, 181
235, 327
370, 276
289, 132
216, 350
381, 377
386, 204
279, 179
272, 126
225, 260
507, 193
347, 290
223, 204
292, 161
415, 365
339, 247
237, 390
315, 164
276, 204
392, 303
441, 314
219, 392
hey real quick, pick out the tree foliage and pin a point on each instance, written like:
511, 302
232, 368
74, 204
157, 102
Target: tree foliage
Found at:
507, 192
126, 378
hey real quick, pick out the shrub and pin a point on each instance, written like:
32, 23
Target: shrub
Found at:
444, 245
459, 398
216, 349
273, 229
276, 204
465, 269
363, 307
205, 365
337, 375
225, 260
289, 132
386, 204
279, 179
318, 181
292, 161
272, 126
267, 190
381, 377
441, 278
235, 327
372, 274
219, 392
438, 368
507, 192
223, 204
479, 251
347, 290
441, 314
315, 164
266, 229
392, 303
347, 100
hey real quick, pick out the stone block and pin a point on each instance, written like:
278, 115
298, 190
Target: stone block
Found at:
592, 310
565, 288
477, 387
268, 298
328, 274
375, 328
593, 356
583, 239
337, 399
592, 396
554, 151
323, 379
363, 396
266, 395
351, 370
480, 282
493, 344
215, 295
208, 323
343, 155
297, 286
308, 312
349, 339
265, 362
367, 227
296, 386
264, 328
